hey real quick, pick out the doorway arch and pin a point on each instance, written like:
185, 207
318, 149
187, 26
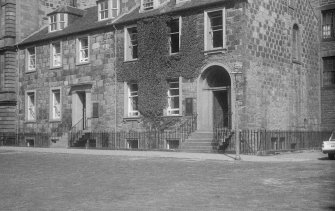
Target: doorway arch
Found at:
214, 98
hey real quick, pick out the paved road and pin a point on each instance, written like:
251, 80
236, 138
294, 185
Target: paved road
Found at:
31, 180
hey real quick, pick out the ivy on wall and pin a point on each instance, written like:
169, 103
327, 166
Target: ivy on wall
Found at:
155, 66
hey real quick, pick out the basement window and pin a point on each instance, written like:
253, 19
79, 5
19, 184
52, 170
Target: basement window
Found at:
132, 144
172, 144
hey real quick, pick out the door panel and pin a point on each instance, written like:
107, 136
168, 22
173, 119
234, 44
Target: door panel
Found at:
221, 109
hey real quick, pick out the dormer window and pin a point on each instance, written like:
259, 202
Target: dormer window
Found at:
58, 21
108, 9
148, 4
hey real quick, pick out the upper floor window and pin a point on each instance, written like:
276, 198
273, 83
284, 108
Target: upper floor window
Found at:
30, 106
133, 100
215, 29
131, 43
56, 54
31, 59
296, 43
328, 71
173, 98
175, 32
83, 50
328, 22
108, 9
58, 21
55, 104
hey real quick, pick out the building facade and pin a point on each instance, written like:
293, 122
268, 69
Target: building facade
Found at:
134, 65
19, 19
325, 11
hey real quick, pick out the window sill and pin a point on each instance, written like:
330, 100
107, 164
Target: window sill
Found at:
54, 68
30, 121
177, 115
82, 63
215, 51
294, 61
328, 40
132, 119
55, 120
31, 71
328, 86
130, 60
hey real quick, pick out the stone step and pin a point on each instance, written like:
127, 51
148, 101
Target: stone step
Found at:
198, 143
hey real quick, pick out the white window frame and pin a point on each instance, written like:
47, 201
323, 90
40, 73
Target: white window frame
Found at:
110, 10
131, 95
55, 108
170, 111
179, 32
128, 45
80, 50
31, 59
148, 4
207, 31
30, 110
54, 55
55, 22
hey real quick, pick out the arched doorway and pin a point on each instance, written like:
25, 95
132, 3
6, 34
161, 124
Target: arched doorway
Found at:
214, 99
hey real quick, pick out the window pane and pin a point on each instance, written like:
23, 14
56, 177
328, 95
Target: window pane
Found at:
114, 13
174, 26
217, 39
114, 3
61, 15
84, 43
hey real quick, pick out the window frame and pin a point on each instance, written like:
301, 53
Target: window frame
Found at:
52, 55
296, 43
131, 112
55, 20
109, 10
80, 60
331, 25
146, 8
207, 25
179, 32
169, 110
54, 90
324, 71
28, 116
181, 1
29, 57
128, 53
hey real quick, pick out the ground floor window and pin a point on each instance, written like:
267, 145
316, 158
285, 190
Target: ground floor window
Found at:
328, 71
31, 105
173, 97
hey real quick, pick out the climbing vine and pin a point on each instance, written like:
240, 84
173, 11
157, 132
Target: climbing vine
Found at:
155, 66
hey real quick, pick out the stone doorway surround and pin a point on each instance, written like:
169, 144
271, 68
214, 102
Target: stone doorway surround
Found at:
81, 103
214, 77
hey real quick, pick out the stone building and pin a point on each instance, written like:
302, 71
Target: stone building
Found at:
325, 11
18, 19
121, 64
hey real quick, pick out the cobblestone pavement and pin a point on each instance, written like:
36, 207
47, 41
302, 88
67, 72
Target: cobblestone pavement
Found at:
66, 181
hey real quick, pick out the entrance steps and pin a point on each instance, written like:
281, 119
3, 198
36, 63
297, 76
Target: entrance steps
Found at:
199, 141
